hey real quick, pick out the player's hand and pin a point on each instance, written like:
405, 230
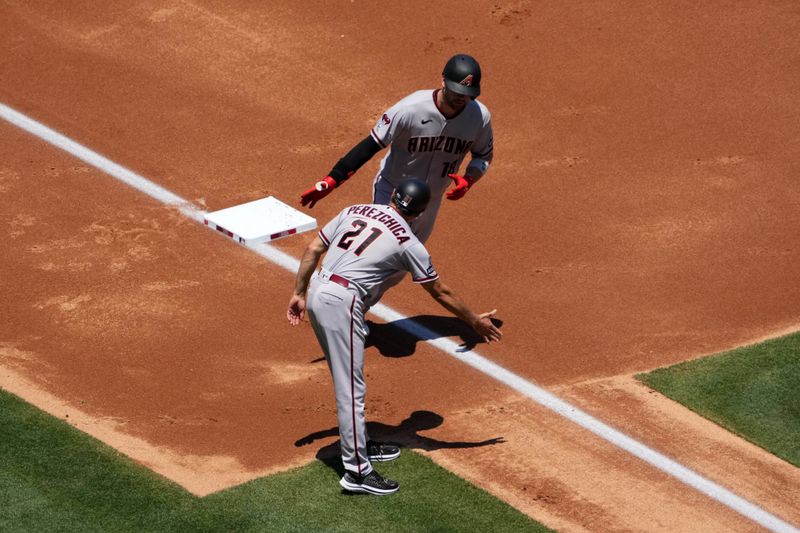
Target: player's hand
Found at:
320, 190
296, 310
486, 328
463, 183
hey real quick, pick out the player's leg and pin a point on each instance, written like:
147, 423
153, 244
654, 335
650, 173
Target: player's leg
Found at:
336, 315
422, 226
381, 191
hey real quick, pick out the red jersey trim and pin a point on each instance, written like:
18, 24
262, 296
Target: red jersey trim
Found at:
377, 140
324, 238
424, 280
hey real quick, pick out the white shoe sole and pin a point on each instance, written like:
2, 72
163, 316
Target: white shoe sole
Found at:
384, 458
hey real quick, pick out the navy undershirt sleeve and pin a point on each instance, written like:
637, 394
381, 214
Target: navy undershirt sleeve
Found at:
354, 159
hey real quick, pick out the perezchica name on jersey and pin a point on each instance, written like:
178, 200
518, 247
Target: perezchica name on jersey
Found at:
384, 218
439, 143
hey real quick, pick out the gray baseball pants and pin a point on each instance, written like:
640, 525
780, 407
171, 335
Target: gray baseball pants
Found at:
336, 314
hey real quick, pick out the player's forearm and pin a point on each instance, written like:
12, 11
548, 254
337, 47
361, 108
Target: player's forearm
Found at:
472, 175
476, 169
354, 159
308, 264
448, 299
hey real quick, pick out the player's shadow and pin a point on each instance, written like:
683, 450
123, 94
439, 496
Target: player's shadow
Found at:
399, 338
406, 435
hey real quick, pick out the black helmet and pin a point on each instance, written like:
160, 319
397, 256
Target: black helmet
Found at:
412, 196
462, 75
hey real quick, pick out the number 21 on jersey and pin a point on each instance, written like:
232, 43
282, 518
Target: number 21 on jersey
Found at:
350, 236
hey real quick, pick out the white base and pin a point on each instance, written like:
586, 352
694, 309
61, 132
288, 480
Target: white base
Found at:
260, 221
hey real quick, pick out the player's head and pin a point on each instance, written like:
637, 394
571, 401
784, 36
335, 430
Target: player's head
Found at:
411, 197
462, 75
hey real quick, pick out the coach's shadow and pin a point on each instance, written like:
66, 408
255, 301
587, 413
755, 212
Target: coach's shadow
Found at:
406, 434
399, 338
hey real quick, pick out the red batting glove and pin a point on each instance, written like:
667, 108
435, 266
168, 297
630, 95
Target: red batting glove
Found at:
320, 190
463, 183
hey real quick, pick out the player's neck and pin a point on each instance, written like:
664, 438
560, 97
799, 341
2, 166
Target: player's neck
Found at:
444, 108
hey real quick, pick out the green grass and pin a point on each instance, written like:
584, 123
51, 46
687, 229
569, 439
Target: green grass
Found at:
56, 478
753, 391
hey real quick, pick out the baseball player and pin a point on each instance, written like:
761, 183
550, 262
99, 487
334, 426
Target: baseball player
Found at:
363, 245
430, 133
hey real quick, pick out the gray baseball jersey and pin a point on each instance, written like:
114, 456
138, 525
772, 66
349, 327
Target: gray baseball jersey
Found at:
427, 145
366, 244
369, 243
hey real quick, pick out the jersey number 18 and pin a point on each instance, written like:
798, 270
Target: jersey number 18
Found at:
449, 167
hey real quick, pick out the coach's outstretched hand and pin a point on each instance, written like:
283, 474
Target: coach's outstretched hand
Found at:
485, 328
481, 323
320, 190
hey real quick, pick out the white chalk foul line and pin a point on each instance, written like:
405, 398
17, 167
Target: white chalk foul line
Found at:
471, 358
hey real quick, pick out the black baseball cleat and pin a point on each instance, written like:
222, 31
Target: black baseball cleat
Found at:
372, 483
380, 452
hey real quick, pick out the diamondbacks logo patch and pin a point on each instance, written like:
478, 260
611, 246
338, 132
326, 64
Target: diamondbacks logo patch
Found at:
466, 81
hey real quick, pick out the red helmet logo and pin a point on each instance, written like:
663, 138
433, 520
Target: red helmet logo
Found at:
467, 81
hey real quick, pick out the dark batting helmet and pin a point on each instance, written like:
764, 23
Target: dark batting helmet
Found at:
412, 196
462, 75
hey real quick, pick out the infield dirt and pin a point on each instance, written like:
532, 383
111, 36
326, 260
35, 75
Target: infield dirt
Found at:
641, 210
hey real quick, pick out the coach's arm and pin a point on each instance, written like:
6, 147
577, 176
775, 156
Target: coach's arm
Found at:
448, 299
